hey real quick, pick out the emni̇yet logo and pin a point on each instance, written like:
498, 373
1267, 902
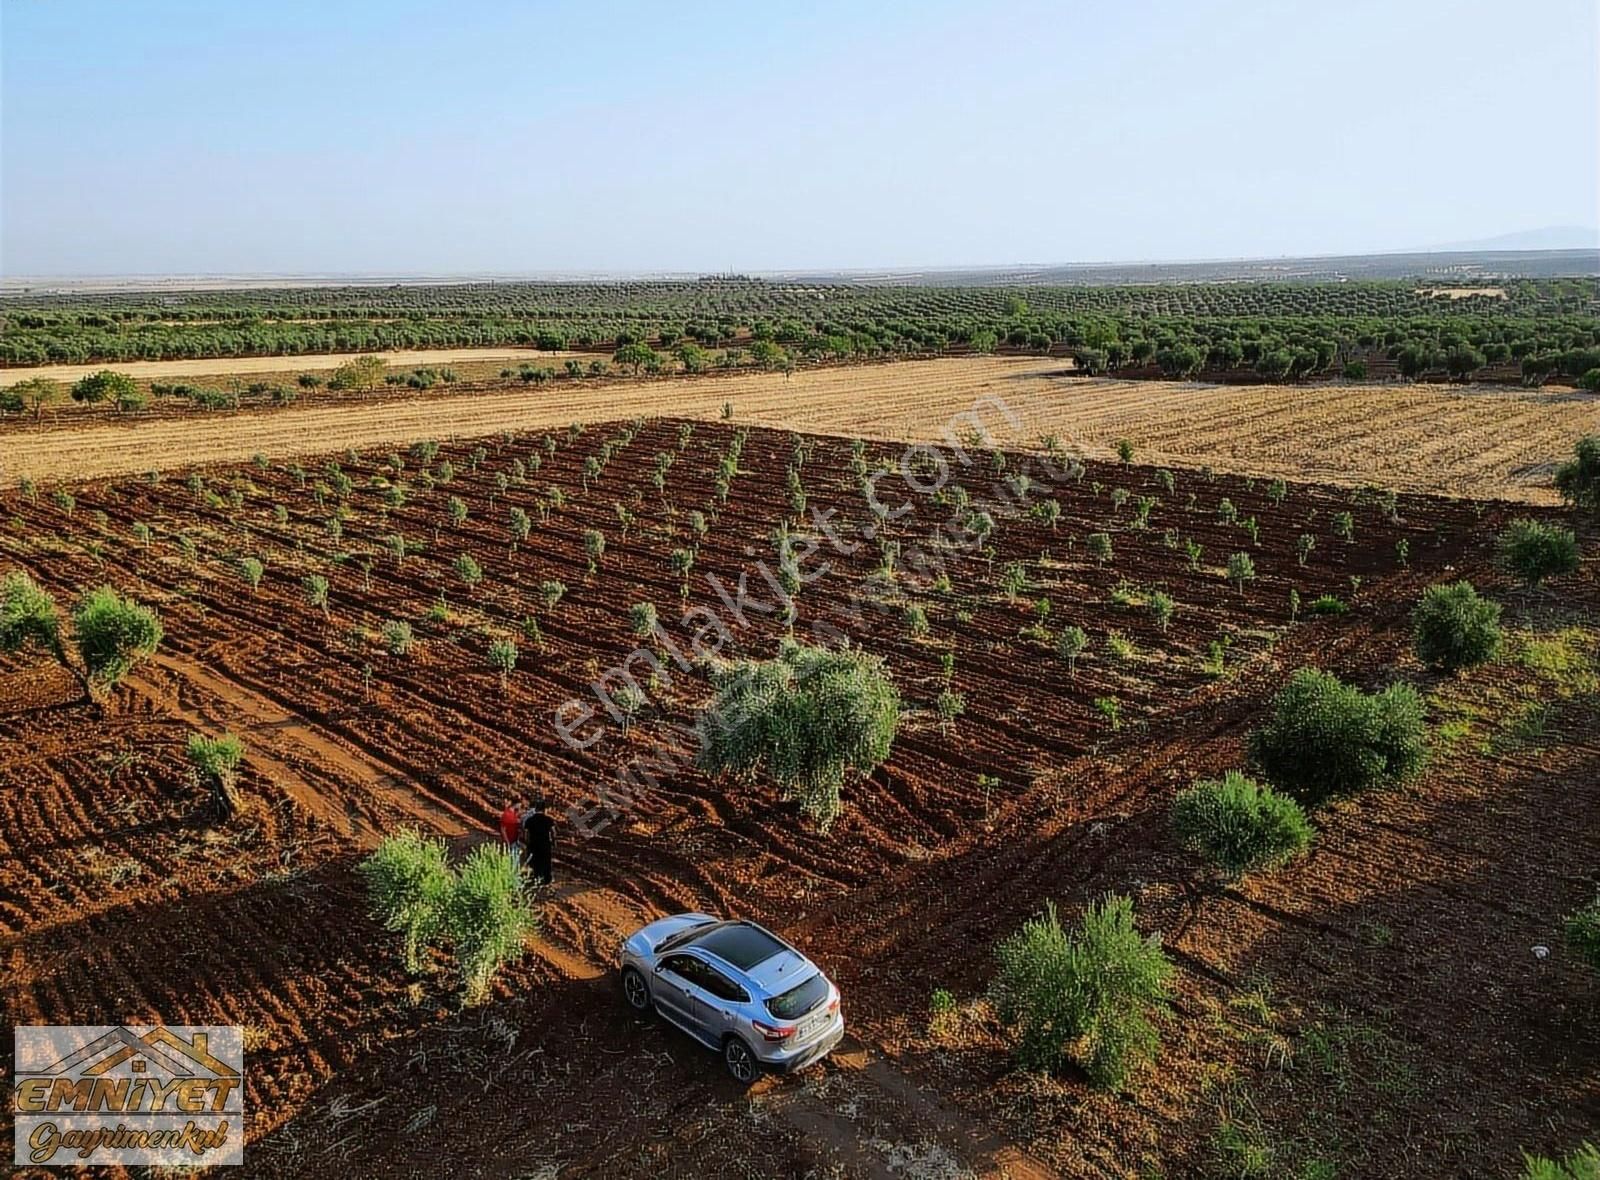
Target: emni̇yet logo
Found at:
129, 1095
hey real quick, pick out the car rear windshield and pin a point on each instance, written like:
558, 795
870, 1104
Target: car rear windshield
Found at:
800, 999
741, 944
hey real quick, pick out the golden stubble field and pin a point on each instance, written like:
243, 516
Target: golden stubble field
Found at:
1470, 441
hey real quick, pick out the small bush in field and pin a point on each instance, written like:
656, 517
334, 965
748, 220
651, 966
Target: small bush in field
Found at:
644, 619
1582, 1164
251, 570
1326, 738
1535, 551
1161, 608
1578, 479
397, 638
28, 615
488, 917
1241, 569
1327, 604
503, 659
807, 719
1089, 996
1239, 825
1070, 642
456, 507
1099, 547
216, 765
594, 547
1583, 933
113, 635
550, 593
409, 884
1454, 628
315, 587
468, 570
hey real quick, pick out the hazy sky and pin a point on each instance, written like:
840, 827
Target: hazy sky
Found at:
152, 136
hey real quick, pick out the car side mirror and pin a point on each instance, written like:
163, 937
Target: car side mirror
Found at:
660, 967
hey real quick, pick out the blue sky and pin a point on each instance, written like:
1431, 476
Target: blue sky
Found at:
155, 136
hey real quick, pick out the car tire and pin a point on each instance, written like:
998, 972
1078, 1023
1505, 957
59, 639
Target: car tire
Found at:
635, 990
740, 1060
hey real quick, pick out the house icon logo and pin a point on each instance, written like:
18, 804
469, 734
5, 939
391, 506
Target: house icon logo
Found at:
131, 1095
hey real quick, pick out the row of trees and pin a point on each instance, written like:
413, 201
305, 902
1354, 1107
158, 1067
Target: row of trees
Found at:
1286, 329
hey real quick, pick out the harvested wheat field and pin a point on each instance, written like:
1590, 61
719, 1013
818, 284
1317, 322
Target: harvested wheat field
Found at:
1466, 441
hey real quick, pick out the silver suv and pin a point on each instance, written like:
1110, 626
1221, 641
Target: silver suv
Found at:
735, 986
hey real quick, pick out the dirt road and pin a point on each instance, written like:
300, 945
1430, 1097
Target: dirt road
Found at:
245, 366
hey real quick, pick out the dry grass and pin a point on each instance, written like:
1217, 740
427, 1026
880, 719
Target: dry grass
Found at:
1469, 441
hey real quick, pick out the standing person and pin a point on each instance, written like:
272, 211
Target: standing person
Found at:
511, 829
538, 838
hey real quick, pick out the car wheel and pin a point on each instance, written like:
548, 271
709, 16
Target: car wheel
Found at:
741, 1062
635, 990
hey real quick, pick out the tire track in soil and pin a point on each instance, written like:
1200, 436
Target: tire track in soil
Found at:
277, 737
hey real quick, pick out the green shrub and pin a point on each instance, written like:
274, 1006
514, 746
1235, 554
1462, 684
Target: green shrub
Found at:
216, 765
468, 570
502, 657
1582, 1164
806, 718
1578, 480
1099, 547
1453, 628
1583, 933
550, 593
27, 615
643, 618
1239, 825
1088, 996
1326, 738
1327, 604
315, 587
1161, 608
409, 884
488, 918
1070, 642
105, 385
397, 638
113, 635
1535, 551
1241, 569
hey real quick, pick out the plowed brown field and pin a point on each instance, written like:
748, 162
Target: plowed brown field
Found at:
1439, 1040
1468, 441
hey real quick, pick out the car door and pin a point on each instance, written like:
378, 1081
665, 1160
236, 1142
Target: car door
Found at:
675, 991
718, 996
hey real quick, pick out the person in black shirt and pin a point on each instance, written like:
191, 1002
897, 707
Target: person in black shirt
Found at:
538, 837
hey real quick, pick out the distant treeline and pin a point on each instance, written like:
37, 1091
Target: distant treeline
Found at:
1539, 328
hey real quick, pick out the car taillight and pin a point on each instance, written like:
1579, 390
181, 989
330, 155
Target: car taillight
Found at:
772, 1032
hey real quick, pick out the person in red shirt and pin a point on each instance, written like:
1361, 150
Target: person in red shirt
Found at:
511, 829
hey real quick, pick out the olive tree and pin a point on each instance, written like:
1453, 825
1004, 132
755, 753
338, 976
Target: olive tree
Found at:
1535, 551
216, 766
1325, 738
409, 883
1454, 628
1578, 480
1088, 996
808, 719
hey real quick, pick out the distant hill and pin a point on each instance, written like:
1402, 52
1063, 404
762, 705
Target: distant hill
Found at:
1550, 237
